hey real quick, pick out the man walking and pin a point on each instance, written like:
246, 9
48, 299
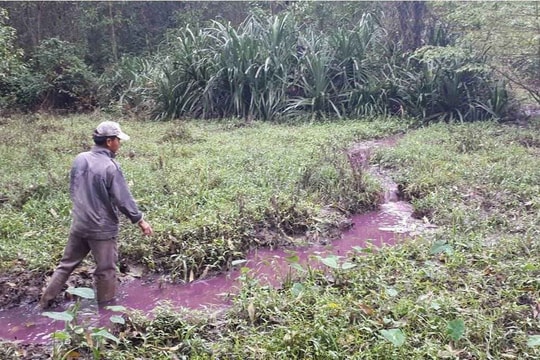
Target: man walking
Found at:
99, 193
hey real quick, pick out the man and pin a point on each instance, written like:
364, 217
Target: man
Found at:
99, 193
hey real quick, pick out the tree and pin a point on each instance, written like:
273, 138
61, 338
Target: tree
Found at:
10, 59
508, 31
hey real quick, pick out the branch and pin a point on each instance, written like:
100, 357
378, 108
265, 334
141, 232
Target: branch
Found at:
535, 93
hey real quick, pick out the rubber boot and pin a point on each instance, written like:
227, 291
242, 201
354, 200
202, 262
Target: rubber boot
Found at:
56, 283
105, 289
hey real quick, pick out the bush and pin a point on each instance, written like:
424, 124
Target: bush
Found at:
125, 86
57, 79
11, 64
451, 83
277, 68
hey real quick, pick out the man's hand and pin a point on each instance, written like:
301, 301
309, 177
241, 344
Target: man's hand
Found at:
145, 228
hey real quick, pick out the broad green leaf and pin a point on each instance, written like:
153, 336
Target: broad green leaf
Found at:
104, 333
390, 291
330, 261
441, 247
530, 267
297, 289
61, 335
84, 292
62, 316
534, 340
117, 319
456, 329
293, 259
298, 267
347, 266
358, 248
117, 308
395, 336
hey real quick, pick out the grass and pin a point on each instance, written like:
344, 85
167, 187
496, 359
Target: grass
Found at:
469, 290
207, 188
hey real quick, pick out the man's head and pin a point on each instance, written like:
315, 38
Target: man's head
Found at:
108, 134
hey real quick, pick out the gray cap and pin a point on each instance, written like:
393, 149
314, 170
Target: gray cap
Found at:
110, 128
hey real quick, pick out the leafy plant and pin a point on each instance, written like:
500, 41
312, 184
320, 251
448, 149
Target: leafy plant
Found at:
12, 65
79, 335
395, 336
58, 78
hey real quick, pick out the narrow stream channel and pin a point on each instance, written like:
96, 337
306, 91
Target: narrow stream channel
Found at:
386, 226
377, 228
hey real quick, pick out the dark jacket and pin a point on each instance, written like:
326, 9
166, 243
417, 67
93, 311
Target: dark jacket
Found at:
99, 192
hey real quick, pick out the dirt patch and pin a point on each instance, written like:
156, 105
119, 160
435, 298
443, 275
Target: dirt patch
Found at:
22, 287
19, 286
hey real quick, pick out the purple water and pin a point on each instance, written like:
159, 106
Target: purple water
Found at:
268, 266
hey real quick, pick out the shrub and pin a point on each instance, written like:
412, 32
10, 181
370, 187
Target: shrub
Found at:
11, 64
58, 78
449, 83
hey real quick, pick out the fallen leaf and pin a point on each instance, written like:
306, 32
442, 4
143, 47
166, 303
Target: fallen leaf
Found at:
366, 309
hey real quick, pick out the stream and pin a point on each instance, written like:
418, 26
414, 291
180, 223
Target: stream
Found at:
386, 226
377, 228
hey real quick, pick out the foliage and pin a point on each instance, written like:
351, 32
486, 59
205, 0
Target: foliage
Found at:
473, 165
275, 68
449, 84
11, 64
283, 61
54, 78
125, 86
508, 31
410, 301
79, 336
212, 194
62, 79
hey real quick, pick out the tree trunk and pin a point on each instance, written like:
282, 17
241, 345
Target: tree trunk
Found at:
114, 45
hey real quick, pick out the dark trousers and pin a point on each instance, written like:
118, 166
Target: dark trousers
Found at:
105, 254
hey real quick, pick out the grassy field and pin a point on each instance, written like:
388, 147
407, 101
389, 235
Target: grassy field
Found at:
469, 290
207, 188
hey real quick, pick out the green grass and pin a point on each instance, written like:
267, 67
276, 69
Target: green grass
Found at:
469, 290
207, 188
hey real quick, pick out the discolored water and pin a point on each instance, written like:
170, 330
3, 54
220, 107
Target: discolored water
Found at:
268, 266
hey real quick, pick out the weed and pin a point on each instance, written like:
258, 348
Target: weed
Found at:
79, 336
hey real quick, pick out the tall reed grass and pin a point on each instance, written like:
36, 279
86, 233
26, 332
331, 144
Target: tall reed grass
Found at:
273, 69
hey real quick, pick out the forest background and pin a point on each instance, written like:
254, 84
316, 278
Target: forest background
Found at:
270, 60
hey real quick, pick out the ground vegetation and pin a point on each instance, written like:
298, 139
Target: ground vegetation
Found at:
466, 291
258, 107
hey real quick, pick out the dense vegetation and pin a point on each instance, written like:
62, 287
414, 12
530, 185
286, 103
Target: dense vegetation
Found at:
272, 61
466, 291
207, 186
